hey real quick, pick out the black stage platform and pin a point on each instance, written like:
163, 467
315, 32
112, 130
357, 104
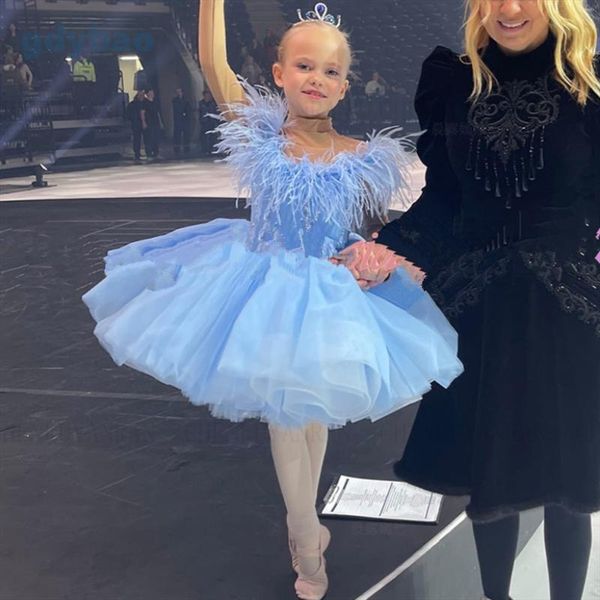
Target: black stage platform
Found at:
113, 487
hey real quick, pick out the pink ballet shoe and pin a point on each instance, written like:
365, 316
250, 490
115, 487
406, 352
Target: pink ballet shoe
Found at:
312, 587
324, 540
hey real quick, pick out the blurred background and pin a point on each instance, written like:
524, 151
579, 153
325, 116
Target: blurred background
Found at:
70, 69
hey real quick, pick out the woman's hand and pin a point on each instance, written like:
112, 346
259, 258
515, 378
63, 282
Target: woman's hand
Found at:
371, 264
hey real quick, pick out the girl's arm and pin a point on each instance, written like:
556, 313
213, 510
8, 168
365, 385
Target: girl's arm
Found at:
222, 81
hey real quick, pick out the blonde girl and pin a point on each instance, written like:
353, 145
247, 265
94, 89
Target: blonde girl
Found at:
284, 318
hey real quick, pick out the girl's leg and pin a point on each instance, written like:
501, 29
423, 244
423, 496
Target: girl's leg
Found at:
568, 538
292, 461
496, 543
316, 440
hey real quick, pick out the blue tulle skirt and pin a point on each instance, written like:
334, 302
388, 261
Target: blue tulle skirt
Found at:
278, 336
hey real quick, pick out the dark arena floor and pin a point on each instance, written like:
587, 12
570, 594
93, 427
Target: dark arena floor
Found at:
113, 485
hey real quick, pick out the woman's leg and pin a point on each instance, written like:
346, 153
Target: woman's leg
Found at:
292, 460
568, 538
496, 543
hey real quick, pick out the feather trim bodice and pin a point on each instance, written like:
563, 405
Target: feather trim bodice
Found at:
301, 204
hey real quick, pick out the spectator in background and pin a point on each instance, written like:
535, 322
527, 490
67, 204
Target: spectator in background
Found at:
134, 114
10, 89
12, 38
181, 122
24, 74
151, 124
64, 77
376, 86
84, 82
140, 80
270, 45
84, 70
250, 70
207, 107
8, 57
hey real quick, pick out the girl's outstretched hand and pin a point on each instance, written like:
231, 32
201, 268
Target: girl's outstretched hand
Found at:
371, 263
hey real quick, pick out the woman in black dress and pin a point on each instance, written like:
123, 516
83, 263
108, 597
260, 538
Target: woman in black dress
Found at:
506, 231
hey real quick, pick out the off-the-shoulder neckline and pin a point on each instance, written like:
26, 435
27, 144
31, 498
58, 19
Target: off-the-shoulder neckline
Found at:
363, 148
258, 94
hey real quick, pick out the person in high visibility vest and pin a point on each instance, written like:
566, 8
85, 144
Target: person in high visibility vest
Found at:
84, 70
84, 81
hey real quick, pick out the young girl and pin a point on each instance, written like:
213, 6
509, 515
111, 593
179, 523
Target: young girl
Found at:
252, 318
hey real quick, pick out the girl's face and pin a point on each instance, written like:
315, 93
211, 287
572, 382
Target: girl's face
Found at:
313, 71
515, 25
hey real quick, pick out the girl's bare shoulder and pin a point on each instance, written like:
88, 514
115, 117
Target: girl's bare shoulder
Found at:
348, 144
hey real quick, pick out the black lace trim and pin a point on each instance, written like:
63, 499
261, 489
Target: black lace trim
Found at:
460, 284
576, 284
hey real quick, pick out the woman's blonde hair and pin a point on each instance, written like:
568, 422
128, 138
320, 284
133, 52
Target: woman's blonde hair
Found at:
576, 35
344, 38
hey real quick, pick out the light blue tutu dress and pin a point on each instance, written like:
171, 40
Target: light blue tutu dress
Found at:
250, 318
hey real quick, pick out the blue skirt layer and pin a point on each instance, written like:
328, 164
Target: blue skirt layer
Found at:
278, 336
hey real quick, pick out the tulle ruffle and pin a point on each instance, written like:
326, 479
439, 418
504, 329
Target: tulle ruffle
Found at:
274, 335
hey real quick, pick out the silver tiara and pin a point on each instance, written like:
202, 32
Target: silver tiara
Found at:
320, 13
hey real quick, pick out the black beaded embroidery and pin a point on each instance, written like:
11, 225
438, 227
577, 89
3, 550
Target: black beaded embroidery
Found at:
507, 145
576, 284
461, 283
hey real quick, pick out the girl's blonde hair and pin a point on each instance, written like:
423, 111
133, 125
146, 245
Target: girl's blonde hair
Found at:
344, 38
576, 36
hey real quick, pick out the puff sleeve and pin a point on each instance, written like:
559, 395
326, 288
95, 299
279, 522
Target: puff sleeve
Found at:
424, 232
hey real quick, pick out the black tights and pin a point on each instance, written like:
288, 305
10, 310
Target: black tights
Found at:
568, 538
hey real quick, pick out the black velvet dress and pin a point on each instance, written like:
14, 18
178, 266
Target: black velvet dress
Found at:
506, 231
